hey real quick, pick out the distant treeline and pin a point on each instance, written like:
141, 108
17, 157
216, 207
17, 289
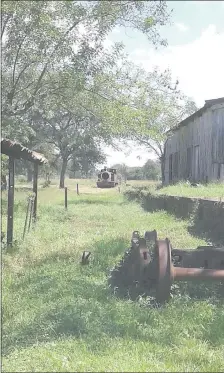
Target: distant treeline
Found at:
151, 170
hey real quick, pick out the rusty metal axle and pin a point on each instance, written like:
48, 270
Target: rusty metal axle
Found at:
167, 273
183, 274
153, 263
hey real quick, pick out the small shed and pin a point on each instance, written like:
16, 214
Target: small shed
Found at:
15, 150
194, 149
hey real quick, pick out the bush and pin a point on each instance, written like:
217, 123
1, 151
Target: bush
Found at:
21, 179
46, 183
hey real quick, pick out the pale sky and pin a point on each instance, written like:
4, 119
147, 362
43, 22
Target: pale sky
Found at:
195, 55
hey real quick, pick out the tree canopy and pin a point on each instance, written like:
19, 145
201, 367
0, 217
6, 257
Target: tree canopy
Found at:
64, 91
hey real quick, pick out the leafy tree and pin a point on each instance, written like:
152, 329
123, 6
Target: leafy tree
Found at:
151, 170
149, 106
135, 173
51, 50
71, 129
87, 157
122, 170
38, 39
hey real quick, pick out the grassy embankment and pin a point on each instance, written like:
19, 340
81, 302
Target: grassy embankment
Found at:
59, 316
183, 189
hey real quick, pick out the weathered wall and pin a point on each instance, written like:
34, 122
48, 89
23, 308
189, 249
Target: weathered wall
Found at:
207, 132
207, 216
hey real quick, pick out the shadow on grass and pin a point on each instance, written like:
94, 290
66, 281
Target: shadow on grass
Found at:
196, 229
212, 233
58, 298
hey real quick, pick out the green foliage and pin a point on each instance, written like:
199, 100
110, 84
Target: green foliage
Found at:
60, 84
150, 171
86, 158
38, 38
21, 179
46, 184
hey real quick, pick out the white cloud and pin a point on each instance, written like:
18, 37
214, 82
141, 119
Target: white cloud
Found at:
197, 65
135, 158
181, 26
132, 160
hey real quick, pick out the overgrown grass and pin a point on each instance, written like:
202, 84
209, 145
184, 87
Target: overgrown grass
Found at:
181, 189
59, 316
211, 190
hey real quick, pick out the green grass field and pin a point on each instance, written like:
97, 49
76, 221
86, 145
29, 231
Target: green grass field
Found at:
59, 316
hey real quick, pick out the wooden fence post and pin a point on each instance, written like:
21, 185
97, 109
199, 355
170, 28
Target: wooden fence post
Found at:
26, 220
10, 201
66, 198
35, 177
77, 189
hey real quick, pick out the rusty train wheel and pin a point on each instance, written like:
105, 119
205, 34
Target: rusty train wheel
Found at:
164, 278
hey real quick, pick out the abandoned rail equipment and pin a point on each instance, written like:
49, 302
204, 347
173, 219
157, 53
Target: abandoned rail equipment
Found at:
107, 178
152, 265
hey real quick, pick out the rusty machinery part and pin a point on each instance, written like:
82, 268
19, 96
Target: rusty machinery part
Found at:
105, 175
153, 265
132, 270
164, 270
207, 257
167, 273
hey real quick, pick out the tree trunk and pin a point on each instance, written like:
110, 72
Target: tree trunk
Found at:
63, 170
29, 175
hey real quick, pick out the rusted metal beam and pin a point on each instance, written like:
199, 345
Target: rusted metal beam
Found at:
152, 263
10, 200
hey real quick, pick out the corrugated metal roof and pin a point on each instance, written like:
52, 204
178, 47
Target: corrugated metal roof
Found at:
198, 113
17, 150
